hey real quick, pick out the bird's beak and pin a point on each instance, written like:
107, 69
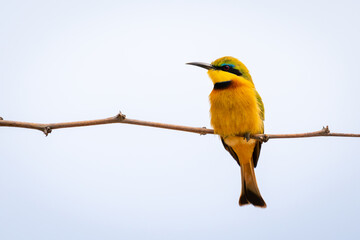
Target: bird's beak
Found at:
203, 65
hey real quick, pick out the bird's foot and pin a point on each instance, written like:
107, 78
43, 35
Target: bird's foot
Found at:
247, 136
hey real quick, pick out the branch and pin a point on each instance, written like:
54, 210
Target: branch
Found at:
119, 118
47, 128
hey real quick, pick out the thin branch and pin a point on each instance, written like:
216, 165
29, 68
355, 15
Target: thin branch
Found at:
119, 118
47, 128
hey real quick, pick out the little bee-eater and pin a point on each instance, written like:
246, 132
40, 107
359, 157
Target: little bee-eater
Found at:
236, 111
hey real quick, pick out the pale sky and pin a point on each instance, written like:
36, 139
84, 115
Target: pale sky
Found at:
81, 60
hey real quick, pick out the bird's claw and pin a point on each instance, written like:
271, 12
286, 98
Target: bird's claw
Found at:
247, 136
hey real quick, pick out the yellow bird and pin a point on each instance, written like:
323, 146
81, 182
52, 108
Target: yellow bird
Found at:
236, 111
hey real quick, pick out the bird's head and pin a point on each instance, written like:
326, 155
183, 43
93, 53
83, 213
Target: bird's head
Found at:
226, 69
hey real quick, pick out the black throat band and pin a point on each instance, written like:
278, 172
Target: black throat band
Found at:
222, 85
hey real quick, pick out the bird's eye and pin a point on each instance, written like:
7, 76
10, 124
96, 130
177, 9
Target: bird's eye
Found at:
226, 67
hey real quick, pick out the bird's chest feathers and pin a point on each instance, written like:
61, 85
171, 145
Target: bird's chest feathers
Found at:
234, 110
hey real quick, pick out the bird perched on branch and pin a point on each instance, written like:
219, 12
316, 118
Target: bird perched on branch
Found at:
237, 111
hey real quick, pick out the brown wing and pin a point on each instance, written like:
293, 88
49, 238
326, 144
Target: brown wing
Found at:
255, 155
231, 151
256, 152
257, 148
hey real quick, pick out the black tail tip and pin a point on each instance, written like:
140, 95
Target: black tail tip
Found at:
243, 200
252, 198
255, 199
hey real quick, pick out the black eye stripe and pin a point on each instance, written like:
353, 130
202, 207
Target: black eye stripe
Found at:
235, 71
231, 70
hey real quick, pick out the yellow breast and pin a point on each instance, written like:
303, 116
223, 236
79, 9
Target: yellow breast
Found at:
235, 110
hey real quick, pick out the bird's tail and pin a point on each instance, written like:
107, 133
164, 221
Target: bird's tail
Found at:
250, 192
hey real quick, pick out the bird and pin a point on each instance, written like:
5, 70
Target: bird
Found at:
236, 112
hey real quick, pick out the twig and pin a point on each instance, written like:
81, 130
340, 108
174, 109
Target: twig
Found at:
324, 132
47, 128
119, 118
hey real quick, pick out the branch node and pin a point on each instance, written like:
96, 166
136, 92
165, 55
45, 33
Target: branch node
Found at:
47, 130
325, 130
204, 132
264, 138
120, 116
